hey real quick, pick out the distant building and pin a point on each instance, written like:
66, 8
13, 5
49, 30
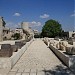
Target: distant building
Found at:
36, 33
18, 30
7, 34
69, 34
73, 35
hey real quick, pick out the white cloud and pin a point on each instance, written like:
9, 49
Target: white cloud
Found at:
17, 14
12, 25
34, 23
44, 16
73, 14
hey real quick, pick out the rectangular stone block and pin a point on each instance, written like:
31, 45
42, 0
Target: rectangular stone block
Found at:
25, 74
32, 73
40, 73
20, 43
6, 50
70, 50
14, 48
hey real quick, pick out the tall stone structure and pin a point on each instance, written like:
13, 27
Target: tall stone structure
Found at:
27, 30
2, 24
24, 25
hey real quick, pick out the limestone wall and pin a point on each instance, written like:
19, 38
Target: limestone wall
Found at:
1, 29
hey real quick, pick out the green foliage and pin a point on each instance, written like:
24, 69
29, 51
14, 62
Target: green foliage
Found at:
16, 36
51, 28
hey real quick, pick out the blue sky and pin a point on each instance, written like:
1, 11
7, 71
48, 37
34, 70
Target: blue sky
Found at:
37, 12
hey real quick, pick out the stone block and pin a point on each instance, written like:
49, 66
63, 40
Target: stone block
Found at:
62, 47
64, 43
57, 46
19, 44
14, 48
70, 50
5, 46
6, 50
23, 42
70, 42
69, 60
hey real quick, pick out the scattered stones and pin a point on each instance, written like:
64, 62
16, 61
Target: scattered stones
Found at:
70, 50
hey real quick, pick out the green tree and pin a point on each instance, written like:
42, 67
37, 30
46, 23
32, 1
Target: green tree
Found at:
16, 36
51, 28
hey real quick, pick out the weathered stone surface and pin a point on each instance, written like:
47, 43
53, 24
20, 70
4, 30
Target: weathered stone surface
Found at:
6, 50
70, 50
2, 23
6, 63
71, 40
19, 44
5, 46
62, 47
14, 48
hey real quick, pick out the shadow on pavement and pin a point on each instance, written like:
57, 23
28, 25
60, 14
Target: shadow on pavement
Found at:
58, 70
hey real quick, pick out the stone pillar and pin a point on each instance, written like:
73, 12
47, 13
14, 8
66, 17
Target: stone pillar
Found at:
2, 24
27, 30
25, 25
1, 29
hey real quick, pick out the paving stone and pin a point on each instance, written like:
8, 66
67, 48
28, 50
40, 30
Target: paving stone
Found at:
14, 70
38, 56
40, 73
32, 73
4, 71
25, 73
18, 73
21, 70
33, 70
11, 73
27, 70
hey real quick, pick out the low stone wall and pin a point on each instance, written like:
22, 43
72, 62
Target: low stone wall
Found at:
18, 54
60, 54
69, 60
47, 40
6, 63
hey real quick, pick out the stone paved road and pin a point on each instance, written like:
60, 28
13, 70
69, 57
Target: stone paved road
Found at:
39, 60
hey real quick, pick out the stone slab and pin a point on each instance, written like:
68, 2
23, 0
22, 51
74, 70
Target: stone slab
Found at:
69, 60
25, 73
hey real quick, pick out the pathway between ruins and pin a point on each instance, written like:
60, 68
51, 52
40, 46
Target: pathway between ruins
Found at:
39, 60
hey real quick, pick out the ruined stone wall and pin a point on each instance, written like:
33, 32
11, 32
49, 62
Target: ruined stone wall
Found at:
1, 29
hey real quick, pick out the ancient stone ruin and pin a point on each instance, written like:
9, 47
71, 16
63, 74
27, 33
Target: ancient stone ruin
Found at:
2, 24
27, 30
7, 49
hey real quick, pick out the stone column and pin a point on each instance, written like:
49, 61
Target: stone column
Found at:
24, 25
2, 24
